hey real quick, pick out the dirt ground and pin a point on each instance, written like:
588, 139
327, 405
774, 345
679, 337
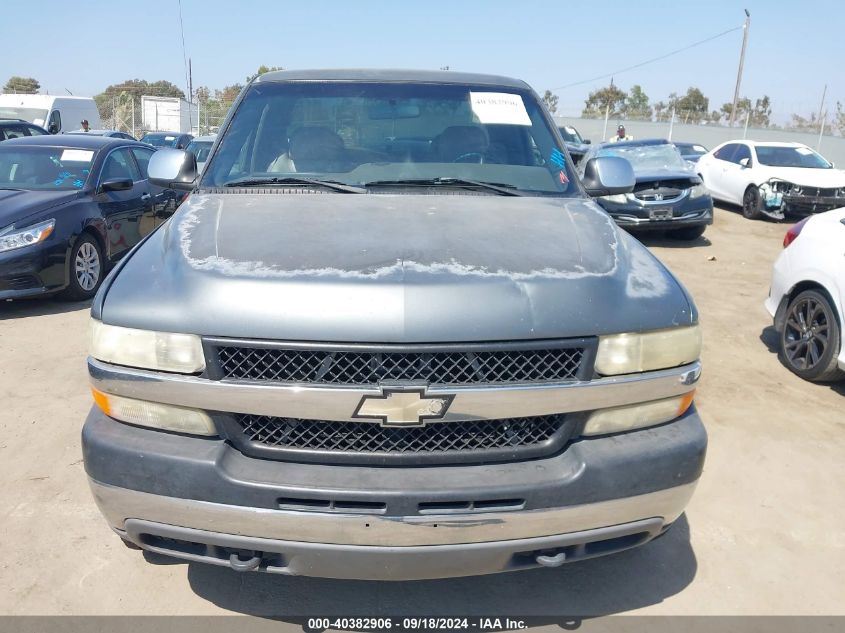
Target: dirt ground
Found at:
763, 534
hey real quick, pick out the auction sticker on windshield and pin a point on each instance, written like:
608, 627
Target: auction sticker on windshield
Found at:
77, 155
498, 108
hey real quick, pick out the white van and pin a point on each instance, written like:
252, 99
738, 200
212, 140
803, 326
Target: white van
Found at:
56, 114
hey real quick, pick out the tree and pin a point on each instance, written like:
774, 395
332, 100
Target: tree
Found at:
22, 85
261, 70
550, 100
799, 123
118, 101
660, 111
758, 115
600, 100
636, 104
693, 107
838, 123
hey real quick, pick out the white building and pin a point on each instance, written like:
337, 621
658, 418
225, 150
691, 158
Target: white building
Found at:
169, 114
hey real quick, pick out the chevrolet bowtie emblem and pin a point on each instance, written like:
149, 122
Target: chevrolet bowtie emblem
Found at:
403, 407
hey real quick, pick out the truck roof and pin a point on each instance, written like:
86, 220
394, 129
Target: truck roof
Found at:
29, 99
399, 75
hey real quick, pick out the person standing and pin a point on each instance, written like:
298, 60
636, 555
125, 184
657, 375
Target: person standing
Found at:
620, 135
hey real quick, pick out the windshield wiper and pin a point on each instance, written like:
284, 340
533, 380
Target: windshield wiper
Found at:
499, 187
289, 180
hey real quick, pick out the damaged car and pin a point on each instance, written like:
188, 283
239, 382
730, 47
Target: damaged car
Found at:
772, 179
668, 195
390, 336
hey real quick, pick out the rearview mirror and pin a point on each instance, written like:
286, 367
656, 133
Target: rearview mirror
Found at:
608, 176
173, 169
384, 110
116, 184
53, 128
586, 141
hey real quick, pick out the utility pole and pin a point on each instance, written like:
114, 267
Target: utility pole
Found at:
745, 28
821, 109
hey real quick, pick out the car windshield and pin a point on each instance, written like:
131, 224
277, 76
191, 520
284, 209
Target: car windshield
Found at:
648, 157
774, 156
44, 168
159, 140
200, 149
570, 134
378, 133
33, 115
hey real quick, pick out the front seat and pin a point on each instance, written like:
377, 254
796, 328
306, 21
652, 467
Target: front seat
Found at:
316, 149
461, 143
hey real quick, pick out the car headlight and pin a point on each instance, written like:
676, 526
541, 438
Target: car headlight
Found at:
698, 190
637, 416
647, 351
146, 349
155, 415
13, 238
619, 198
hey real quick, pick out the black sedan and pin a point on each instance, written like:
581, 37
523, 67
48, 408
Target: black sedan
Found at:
576, 145
70, 206
668, 194
15, 128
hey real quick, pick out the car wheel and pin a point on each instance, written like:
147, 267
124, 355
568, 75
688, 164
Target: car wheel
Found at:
752, 204
688, 233
811, 338
86, 269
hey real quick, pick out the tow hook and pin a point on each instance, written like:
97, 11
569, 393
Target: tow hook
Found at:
239, 564
551, 561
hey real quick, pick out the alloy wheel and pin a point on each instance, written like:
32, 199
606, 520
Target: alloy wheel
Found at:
806, 334
87, 266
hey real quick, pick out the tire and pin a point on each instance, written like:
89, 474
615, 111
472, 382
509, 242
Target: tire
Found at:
811, 338
85, 269
688, 233
752, 203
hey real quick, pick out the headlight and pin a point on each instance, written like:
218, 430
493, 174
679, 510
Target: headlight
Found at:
661, 349
698, 190
155, 415
14, 238
162, 351
619, 198
637, 416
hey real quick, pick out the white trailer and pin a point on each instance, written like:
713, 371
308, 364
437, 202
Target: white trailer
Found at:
168, 114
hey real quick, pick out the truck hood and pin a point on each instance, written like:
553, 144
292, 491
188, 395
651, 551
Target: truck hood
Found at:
392, 269
16, 206
821, 178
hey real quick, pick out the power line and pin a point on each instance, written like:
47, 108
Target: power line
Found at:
650, 61
184, 54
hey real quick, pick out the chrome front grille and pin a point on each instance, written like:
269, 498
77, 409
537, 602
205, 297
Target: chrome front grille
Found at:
471, 364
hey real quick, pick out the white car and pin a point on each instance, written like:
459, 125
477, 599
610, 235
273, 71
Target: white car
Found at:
772, 179
807, 295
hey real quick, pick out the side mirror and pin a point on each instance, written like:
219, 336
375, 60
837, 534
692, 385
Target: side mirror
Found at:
53, 129
608, 176
173, 169
586, 141
745, 162
116, 184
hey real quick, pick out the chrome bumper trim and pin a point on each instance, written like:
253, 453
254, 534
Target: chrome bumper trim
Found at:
120, 504
340, 403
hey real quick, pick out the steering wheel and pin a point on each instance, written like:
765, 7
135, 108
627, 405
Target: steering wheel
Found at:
470, 157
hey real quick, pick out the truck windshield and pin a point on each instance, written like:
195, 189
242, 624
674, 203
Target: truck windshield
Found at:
359, 133
44, 168
33, 115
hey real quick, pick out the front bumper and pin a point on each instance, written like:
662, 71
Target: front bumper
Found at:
638, 215
201, 499
804, 204
33, 270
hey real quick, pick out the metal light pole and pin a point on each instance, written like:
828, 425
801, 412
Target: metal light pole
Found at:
745, 28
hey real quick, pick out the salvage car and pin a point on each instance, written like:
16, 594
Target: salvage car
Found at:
16, 128
807, 296
167, 139
576, 145
70, 206
772, 179
668, 195
690, 151
390, 336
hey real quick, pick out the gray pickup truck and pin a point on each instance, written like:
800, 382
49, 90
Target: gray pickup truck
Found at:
389, 336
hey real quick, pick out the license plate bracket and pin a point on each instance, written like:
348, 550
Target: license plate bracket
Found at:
664, 213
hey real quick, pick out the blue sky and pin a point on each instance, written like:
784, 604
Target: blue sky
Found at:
794, 47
